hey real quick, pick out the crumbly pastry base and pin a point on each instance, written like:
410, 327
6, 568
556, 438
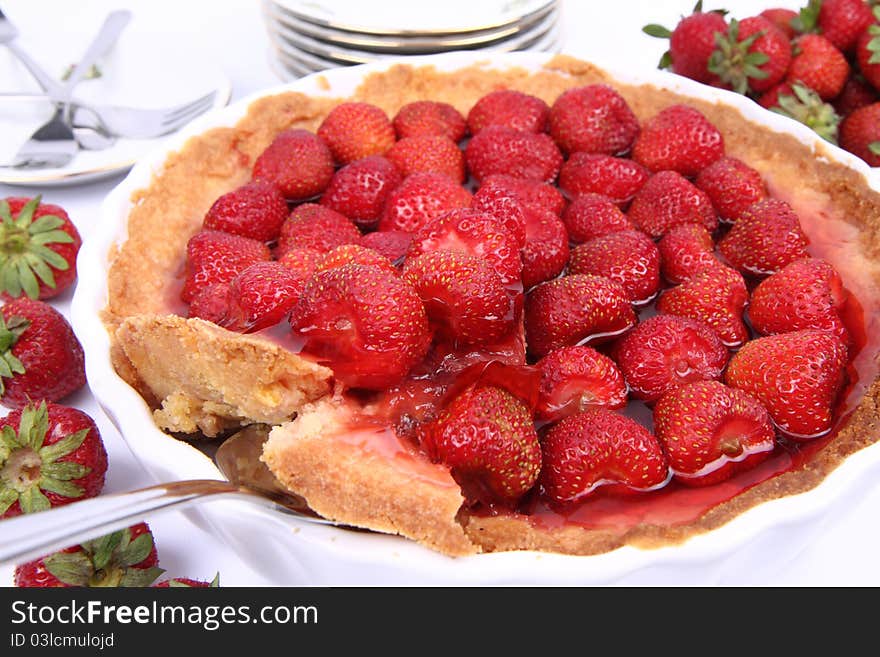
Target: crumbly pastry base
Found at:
200, 378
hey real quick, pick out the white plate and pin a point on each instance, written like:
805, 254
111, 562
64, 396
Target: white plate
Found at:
128, 78
291, 552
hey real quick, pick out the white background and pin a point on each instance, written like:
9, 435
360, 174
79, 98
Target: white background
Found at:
231, 35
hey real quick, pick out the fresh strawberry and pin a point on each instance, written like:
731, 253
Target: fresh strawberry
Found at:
509, 108
38, 248
805, 294
355, 130
254, 210
617, 178
213, 257
210, 303
732, 186
797, 376
782, 18
428, 153
868, 52
678, 138
753, 55
764, 239
667, 200
499, 149
429, 117
576, 378
716, 296
842, 21
125, 558
600, 450
593, 119
393, 244
804, 105
505, 207
463, 296
629, 257
302, 261
860, 134
40, 356
476, 233
419, 199
50, 455
575, 310
691, 43
314, 226
857, 93
298, 163
665, 352
359, 189
261, 296
487, 438
710, 431
188, 583
546, 250
770, 98
686, 250
818, 65
541, 195
361, 255
366, 323
590, 216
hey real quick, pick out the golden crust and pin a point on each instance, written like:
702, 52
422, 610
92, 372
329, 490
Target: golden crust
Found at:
366, 488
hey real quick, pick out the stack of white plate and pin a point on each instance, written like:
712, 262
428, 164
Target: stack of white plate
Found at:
312, 35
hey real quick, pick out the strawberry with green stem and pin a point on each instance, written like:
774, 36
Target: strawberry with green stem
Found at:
868, 51
752, 55
805, 105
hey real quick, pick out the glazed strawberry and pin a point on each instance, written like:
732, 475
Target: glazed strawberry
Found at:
261, 296
393, 244
505, 207
805, 294
51, 455
38, 248
819, 65
367, 324
753, 55
805, 106
499, 149
665, 352
860, 134
765, 239
797, 376
667, 200
691, 43
716, 296
686, 250
40, 356
463, 296
124, 558
509, 108
487, 438
210, 303
546, 250
843, 21
476, 233
782, 18
318, 227
710, 431
254, 210
593, 119
540, 195
600, 450
615, 177
629, 257
214, 257
297, 162
678, 138
732, 186
856, 94
590, 216
428, 153
188, 583
867, 47
429, 117
419, 199
355, 130
359, 189
356, 253
302, 261
576, 378
575, 310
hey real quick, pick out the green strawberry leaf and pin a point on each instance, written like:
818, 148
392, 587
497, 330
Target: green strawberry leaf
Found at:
71, 568
657, 31
45, 223
136, 551
32, 500
102, 548
807, 19
65, 470
8, 497
874, 147
65, 446
140, 577
26, 215
665, 61
63, 488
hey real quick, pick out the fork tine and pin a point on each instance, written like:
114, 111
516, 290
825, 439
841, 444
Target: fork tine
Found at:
181, 118
188, 108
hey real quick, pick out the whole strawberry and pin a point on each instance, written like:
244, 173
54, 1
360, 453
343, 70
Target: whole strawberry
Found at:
429, 117
691, 43
797, 376
314, 226
50, 455
710, 431
546, 250
499, 149
487, 438
255, 210
732, 186
685, 251
509, 108
753, 55
261, 296
867, 49
215, 257
593, 119
782, 18
125, 558
590, 216
857, 93
40, 356
617, 178
839, 21
600, 450
355, 130
419, 199
359, 189
818, 65
38, 248
428, 153
678, 138
629, 257
298, 163
860, 134
668, 200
